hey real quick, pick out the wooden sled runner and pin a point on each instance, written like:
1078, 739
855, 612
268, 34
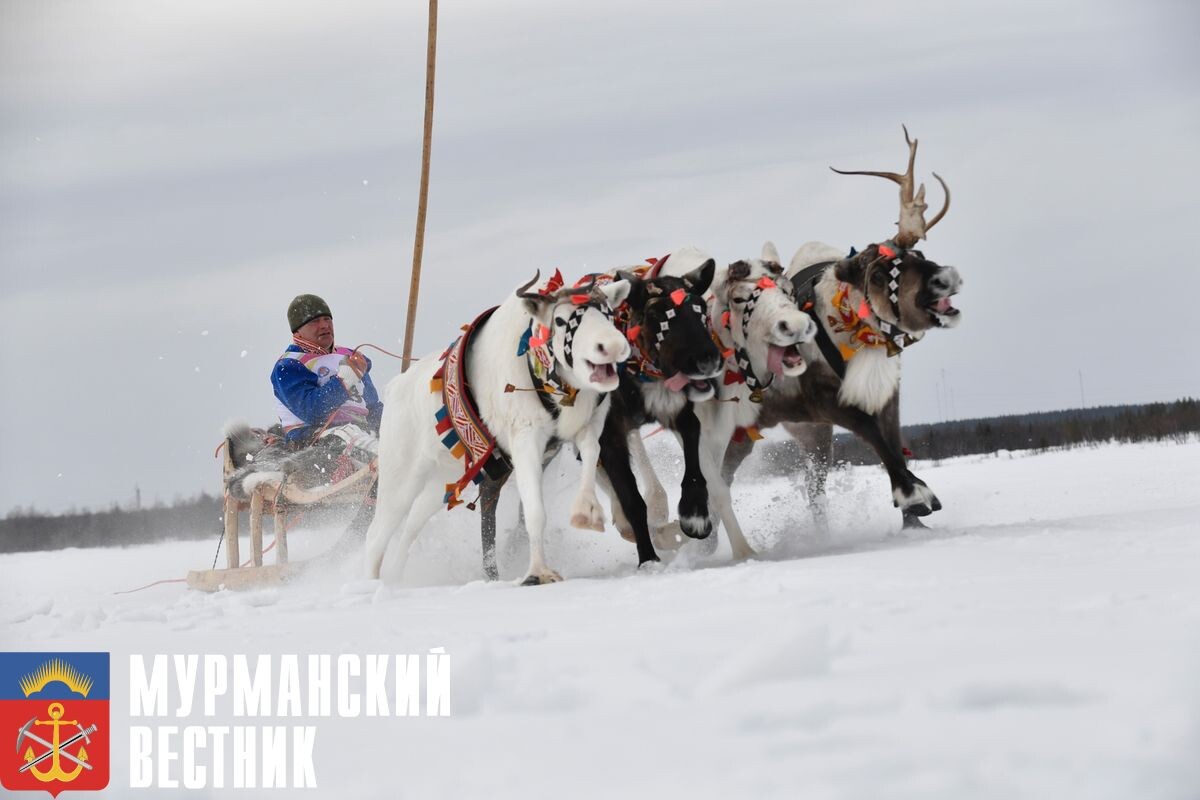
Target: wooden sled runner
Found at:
277, 500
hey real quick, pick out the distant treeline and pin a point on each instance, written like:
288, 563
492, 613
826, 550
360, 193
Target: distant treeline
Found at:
200, 517
197, 518
1041, 431
1153, 422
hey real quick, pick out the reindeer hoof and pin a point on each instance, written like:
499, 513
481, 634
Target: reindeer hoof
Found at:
587, 514
913, 522
539, 578
587, 523
920, 502
743, 553
650, 565
668, 537
705, 547
696, 527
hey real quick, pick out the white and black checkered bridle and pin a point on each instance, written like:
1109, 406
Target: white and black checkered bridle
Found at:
890, 330
740, 355
672, 315
575, 319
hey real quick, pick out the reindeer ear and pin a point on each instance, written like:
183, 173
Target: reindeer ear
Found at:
739, 271
537, 306
637, 288
615, 292
535, 303
698, 280
769, 253
853, 268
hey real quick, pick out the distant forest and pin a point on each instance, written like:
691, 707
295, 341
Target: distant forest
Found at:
1154, 422
200, 517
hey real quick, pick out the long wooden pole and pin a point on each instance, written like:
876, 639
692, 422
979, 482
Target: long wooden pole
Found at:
414, 286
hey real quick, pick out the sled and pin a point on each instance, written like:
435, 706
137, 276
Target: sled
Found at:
277, 500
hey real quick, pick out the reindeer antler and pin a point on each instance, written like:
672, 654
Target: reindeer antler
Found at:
912, 225
588, 288
523, 290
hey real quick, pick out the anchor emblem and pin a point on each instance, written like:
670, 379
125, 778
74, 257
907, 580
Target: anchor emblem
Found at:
57, 748
57, 705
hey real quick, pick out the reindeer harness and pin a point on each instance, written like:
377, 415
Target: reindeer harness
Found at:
458, 421
537, 347
847, 319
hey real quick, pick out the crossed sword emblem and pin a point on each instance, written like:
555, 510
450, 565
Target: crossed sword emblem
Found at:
59, 749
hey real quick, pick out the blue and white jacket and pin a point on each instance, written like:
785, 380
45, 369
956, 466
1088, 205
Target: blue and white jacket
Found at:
308, 392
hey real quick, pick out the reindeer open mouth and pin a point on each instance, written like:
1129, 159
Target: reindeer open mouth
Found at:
602, 374
943, 313
699, 387
785, 360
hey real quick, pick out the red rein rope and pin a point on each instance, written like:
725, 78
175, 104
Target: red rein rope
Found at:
380, 349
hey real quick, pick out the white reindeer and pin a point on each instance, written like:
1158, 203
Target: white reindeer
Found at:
414, 466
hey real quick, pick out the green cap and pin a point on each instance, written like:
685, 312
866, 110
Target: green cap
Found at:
305, 308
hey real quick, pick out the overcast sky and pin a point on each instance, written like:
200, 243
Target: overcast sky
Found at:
172, 174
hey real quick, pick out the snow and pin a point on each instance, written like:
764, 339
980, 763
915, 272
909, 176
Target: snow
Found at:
1042, 639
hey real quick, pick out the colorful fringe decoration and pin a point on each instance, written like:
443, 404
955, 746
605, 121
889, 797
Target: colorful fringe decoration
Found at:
458, 423
851, 321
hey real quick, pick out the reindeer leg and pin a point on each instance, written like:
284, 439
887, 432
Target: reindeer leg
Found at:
356, 531
908, 491
489, 498
585, 510
620, 521
656, 496
889, 426
712, 455
527, 450
735, 454
693, 501
427, 503
816, 454
614, 458
391, 512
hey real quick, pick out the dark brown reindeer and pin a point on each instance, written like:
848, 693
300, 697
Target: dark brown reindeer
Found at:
868, 306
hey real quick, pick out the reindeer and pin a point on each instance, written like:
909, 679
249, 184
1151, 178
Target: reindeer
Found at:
869, 306
542, 366
672, 369
864, 309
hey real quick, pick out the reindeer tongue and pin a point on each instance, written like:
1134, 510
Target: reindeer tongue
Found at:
603, 373
775, 359
677, 381
943, 305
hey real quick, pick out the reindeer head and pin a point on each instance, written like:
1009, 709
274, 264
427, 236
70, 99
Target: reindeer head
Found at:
902, 287
669, 323
576, 324
756, 307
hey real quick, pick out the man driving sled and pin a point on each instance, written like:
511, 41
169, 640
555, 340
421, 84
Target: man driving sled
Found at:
322, 390
324, 397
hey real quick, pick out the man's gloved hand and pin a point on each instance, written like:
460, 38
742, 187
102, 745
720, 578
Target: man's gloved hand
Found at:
351, 380
358, 363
